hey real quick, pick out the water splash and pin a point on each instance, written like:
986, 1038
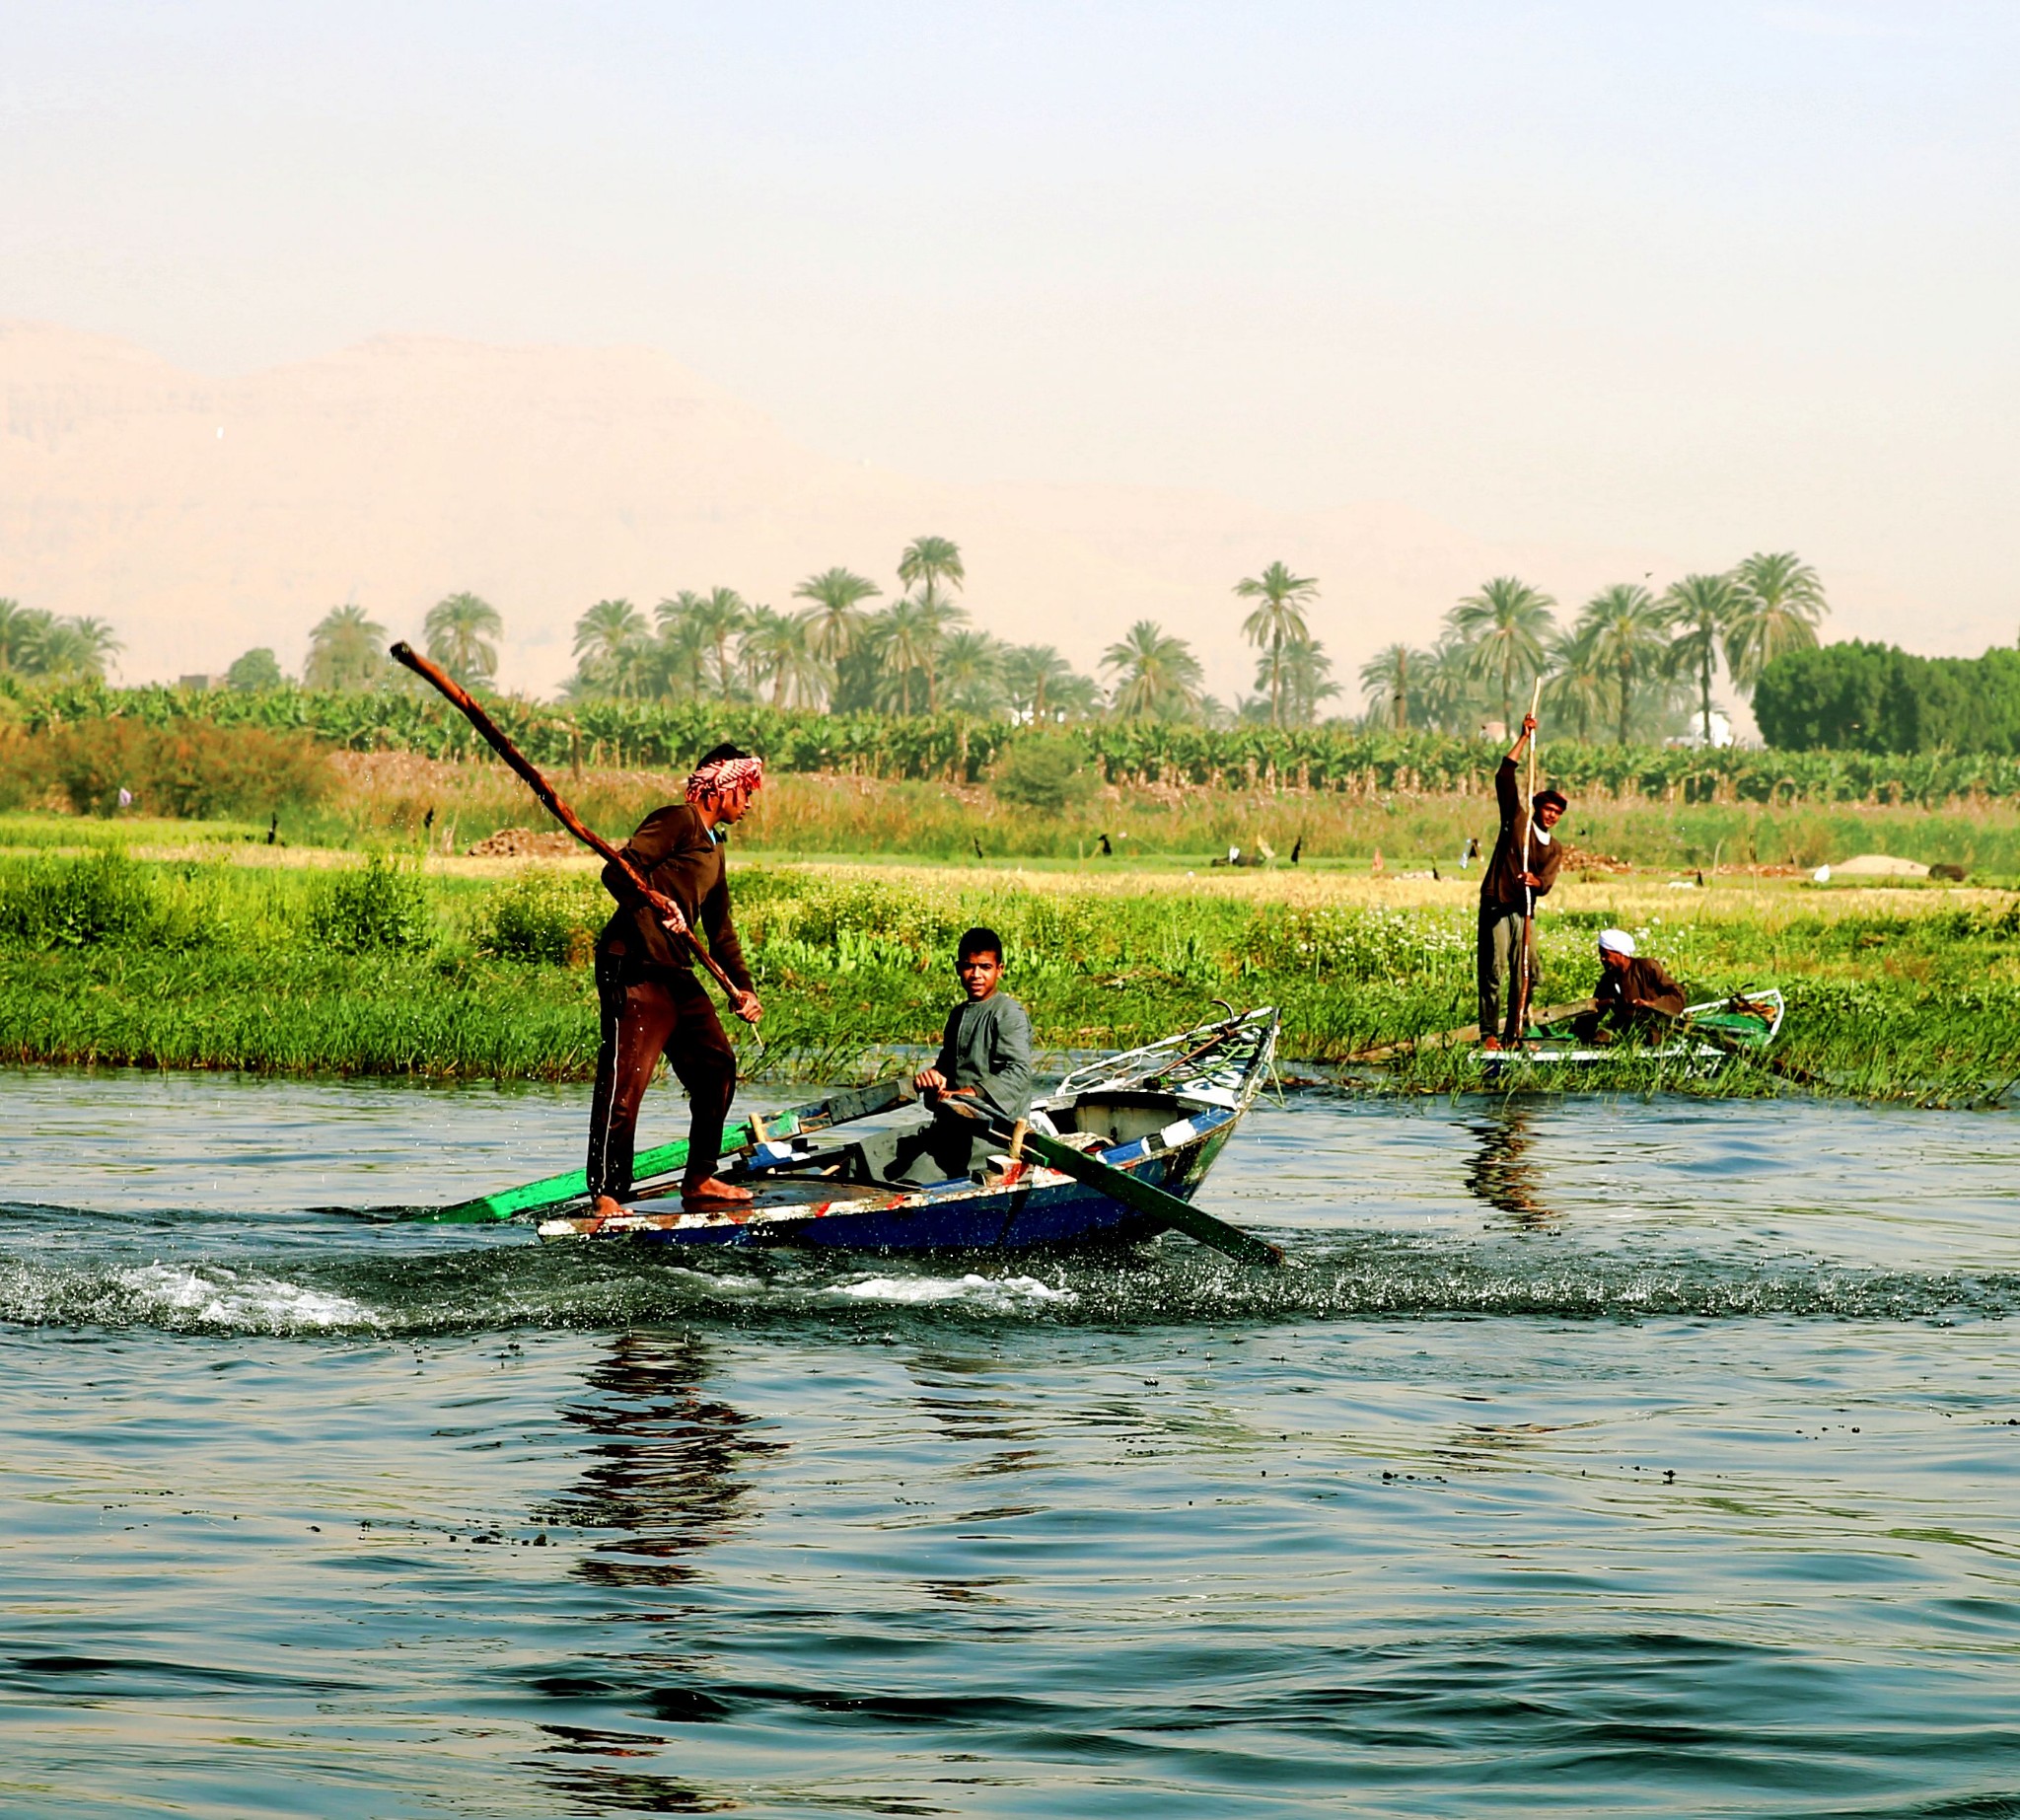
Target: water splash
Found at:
506, 1282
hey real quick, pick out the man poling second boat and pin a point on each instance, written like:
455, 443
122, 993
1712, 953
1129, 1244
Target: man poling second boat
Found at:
1523, 868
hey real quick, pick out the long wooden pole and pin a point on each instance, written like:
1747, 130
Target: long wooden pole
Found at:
1522, 990
460, 699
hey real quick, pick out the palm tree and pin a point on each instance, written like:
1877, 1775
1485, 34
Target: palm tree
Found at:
1780, 600
929, 561
970, 666
609, 639
1277, 621
1031, 675
1503, 628
1386, 680
347, 650
1629, 632
718, 616
1576, 684
1156, 673
18, 629
779, 649
67, 650
1307, 673
943, 617
458, 629
1701, 608
675, 665
1447, 687
837, 619
903, 636
1074, 697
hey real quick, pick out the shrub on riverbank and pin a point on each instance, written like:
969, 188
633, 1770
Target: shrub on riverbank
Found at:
188, 769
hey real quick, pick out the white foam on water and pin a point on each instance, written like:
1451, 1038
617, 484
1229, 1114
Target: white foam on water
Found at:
1001, 1293
219, 1296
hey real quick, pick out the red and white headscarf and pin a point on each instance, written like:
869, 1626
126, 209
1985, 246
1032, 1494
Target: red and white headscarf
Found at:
716, 781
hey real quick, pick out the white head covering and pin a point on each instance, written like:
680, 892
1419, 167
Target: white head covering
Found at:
1616, 942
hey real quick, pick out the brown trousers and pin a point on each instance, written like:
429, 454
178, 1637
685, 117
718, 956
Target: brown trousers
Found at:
644, 1017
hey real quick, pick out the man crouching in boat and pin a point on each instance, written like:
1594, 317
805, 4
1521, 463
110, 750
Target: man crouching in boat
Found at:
984, 1060
1633, 992
652, 1005
1523, 868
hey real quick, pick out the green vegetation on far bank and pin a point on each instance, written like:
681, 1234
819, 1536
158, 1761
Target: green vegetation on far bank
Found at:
377, 968
49, 735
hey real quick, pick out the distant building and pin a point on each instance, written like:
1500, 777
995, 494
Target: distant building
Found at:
1721, 731
200, 679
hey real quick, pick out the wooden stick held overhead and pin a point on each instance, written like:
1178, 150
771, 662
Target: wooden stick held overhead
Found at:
1523, 986
460, 699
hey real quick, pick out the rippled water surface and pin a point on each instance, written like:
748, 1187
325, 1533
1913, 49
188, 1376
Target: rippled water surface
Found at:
1596, 1458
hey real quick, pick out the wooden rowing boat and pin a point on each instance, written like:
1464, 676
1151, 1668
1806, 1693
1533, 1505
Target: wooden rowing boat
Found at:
1702, 1040
1158, 1116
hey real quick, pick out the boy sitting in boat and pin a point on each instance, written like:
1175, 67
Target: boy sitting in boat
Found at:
1633, 992
984, 1060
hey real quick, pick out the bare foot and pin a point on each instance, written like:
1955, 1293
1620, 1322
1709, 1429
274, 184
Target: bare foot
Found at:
714, 1192
604, 1207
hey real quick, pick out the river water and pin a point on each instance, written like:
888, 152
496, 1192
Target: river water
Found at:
1596, 1457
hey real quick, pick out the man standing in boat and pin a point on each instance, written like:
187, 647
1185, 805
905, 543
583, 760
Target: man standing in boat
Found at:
1523, 868
651, 1002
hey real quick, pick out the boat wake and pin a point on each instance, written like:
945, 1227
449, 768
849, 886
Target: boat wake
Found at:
110, 1272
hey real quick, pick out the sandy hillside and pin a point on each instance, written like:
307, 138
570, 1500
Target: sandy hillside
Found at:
205, 515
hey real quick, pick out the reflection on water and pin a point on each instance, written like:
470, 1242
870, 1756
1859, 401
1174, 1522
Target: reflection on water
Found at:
662, 1470
1506, 1170
663, 1466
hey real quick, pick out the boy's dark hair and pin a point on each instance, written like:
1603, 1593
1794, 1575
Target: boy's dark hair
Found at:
979, 941
716, 753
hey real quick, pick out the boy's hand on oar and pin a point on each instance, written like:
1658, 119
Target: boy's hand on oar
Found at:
748, 1009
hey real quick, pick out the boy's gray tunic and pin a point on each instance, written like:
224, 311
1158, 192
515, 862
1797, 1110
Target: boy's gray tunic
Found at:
988, 1047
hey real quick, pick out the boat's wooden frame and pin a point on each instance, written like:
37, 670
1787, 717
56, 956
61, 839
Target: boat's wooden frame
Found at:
1164, 1114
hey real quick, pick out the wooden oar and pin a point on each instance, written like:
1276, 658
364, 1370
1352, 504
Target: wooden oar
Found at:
459, 698
1120, 1185
665, 1160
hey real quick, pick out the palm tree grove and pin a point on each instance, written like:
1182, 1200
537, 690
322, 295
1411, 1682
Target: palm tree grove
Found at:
1634, 663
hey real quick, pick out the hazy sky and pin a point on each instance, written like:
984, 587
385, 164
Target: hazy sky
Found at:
1697, 278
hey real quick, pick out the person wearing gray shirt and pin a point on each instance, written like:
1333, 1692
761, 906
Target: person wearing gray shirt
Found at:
984, 1057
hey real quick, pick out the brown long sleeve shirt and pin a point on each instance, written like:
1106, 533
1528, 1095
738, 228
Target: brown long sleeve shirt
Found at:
680, 859
1501, 883
1640, 989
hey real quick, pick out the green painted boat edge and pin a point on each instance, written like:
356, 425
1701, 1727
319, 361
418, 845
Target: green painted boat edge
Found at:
664, 1159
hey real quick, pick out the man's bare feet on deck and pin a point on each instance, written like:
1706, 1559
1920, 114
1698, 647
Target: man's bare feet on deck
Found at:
713, 1192
605, 1206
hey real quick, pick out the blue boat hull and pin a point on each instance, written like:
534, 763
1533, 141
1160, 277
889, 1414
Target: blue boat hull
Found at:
1046, 1212
1161, 1114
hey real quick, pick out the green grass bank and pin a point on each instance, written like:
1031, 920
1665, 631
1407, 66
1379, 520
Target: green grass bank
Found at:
378, 966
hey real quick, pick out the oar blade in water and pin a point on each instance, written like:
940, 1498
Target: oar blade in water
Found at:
1145, 1197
